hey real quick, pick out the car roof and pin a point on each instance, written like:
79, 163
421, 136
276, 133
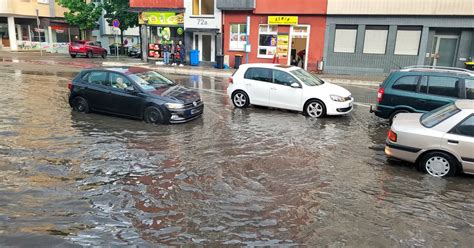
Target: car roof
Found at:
438, 70
465, 104
270, 66
125, 70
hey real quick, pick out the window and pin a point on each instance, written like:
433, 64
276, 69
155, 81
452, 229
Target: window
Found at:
259, 74
408, 41
118, 81
238, 36
375, 41
283, 78
465, 128
97, 77
267, 41
444, 86
407, 83
424, 84
470, 88
439, 115
307, 78
203, 7
345, 39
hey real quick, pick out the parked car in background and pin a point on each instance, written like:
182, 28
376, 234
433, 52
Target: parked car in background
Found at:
287, 87
134, 52
134, 92
420, 89
86, 48
440, 142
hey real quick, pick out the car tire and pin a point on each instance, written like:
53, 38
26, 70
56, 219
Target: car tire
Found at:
395, 113
104, 55
89, 54
438, 164
240, 99
73, 56
315, 109
80, 105
154, 115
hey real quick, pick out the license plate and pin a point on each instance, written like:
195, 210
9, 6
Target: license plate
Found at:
195, 111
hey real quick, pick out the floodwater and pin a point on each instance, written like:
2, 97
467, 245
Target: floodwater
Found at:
253, 177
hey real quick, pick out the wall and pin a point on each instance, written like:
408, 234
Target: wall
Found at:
316, 44
29, 8
295, 7
236, 5
201, 22
401, 7
165, 4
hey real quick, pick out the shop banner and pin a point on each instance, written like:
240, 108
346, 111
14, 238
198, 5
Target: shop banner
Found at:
283, 20
161, 18
282, 45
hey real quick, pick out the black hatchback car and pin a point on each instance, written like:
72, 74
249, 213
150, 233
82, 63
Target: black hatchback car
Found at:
134, 92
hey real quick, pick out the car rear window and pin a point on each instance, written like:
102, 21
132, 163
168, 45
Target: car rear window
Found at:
439, 115
407, 83
469, 88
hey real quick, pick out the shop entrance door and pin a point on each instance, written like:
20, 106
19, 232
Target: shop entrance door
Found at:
299, 45
205, 43
445, 48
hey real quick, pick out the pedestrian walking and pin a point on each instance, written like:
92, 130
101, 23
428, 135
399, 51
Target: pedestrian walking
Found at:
180, 51
173, 53
166, 54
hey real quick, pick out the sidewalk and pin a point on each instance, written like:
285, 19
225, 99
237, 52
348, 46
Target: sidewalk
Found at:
213, 72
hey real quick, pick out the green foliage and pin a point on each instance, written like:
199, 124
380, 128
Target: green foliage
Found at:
119, 9
82, 14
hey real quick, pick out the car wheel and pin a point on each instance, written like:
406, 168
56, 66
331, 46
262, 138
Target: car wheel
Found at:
104, 55
73, 56
395, 113
80, 105
240, 99
89, 54
154, 115
315, 109
438, 164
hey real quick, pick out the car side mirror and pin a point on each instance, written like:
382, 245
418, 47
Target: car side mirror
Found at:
130, 90
295, 85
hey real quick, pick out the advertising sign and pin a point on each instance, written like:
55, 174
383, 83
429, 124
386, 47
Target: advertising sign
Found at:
161, 18
282, 45
283, 20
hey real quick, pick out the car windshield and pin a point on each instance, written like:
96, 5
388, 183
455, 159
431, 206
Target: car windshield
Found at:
307, 78
150, 80
439, 115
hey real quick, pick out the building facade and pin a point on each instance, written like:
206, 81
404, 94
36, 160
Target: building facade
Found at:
363, 37
19, 26
279, 32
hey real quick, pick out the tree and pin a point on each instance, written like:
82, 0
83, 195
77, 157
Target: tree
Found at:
119, 9
82, 13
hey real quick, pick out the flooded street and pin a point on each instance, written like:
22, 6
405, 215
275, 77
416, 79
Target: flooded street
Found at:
252, 177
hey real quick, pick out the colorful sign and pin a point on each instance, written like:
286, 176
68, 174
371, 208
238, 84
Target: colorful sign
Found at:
282, 45
283, 20
161, 18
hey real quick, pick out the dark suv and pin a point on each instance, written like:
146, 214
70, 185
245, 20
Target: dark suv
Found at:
421, 89
134, 92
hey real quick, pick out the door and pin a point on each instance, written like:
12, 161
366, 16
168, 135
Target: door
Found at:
257, 83
96, 90
206, 47
445, 50
299, 46
282, 95
404, 94
123, 102
205, 43
461, 141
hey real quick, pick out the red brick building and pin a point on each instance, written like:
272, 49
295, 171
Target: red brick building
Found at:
278, 28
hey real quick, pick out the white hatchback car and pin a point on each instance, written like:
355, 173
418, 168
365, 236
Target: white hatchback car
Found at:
287, 87
440, 142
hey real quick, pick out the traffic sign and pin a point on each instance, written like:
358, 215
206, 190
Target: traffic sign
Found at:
116, 23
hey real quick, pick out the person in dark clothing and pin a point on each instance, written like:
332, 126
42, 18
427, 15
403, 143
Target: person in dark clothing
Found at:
180, 52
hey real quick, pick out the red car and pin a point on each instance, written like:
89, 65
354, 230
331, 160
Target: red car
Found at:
87, 48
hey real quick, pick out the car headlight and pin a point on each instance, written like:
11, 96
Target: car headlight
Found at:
174, 105
337, 98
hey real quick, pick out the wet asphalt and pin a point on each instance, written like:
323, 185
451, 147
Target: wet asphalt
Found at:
252, 177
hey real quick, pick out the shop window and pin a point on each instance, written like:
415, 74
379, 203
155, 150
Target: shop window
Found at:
238, 36
203, 7
408, 41
267, 41
345, 39
375, 41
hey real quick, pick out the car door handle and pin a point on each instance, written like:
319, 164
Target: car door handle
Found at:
273, 88
248, 84
453, 141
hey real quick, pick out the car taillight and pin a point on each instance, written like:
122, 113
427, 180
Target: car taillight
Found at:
380, 95
69, 85
392, 136
231, 80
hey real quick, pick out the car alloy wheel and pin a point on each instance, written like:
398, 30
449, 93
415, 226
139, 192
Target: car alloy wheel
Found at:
315, 109
154, 115
104, 55
81, 105
89, 54
240, 99
437, 166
